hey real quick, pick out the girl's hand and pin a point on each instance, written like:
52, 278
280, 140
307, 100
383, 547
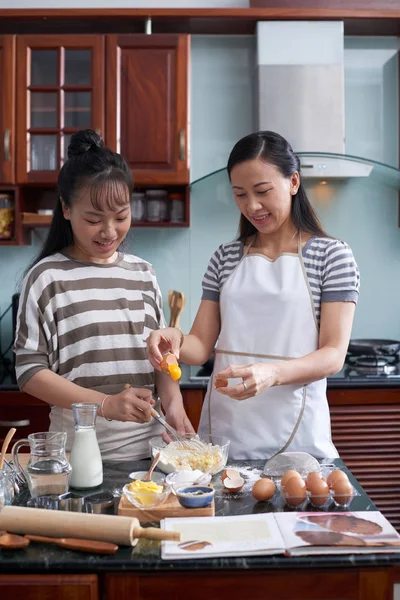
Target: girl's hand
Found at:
256, 378
177, 417
161, 341
132, 404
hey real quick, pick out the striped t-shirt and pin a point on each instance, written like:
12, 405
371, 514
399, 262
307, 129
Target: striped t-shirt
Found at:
330, 266
88, 322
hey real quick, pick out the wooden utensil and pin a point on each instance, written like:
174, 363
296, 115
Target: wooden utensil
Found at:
75, 544
153, 465
12, 541
176, 302
5, 445
124, 531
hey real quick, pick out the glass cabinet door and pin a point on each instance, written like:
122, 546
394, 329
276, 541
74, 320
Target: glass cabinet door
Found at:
7, 108
64, 92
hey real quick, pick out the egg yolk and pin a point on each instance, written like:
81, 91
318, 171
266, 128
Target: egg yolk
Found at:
175, 372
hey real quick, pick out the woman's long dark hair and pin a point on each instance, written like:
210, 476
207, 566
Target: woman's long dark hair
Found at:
98, 169
272, 148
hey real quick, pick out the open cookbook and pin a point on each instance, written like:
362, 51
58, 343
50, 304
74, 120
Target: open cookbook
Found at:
289, 533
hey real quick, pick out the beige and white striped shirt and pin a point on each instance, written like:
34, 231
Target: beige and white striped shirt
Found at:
88, 322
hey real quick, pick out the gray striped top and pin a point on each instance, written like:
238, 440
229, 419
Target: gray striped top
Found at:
330, 267
88, 323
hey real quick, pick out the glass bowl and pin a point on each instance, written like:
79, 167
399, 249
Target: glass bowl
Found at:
175, 458
146, 500
155, 476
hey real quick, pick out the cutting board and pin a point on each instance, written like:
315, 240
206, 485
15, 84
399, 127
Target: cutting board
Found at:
169, 508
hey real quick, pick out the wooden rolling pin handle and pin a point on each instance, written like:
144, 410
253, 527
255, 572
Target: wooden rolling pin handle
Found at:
76, 544
153, 533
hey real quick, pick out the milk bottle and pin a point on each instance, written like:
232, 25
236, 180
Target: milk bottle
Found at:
85, 459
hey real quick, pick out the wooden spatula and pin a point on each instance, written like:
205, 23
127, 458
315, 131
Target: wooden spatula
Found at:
75, 544
176, 302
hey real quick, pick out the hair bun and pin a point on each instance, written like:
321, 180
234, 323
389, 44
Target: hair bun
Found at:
85, 140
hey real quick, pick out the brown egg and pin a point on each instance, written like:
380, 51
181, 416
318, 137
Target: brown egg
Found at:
319, 492
231, 473
295, 491
263, 489
286, 476
336, 476
311, 477
343, 491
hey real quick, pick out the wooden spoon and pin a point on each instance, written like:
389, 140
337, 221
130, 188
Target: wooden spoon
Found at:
153, 465
5, 445
76, 544
12, 541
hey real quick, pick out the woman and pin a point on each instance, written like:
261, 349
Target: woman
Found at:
280, 301
86, 309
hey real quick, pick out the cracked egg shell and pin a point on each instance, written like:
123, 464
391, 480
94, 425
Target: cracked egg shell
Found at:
231, 473
233, 485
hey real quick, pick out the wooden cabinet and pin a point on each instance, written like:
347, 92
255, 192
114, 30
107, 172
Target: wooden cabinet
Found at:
60, 89
24, 412
366, 432
49, 587
7, 108
147, 105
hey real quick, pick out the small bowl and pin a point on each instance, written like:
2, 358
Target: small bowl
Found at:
190, 497
189, 460
181, 479
144, 500
155, 476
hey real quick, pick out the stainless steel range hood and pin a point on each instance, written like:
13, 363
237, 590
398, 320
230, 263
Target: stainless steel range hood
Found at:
300, 79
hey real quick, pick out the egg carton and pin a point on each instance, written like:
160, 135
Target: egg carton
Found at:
326, 501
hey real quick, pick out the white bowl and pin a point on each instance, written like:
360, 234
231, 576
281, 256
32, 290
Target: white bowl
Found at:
185, 478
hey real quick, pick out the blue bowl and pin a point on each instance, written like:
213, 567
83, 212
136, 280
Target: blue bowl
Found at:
195, 496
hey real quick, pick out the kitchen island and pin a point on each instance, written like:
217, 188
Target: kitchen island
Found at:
139, 572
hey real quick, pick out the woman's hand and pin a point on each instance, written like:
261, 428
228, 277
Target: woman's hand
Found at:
132, 404
161, 341
256, 378
176, 416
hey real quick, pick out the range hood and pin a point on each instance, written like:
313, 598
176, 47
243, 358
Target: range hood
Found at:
300, 81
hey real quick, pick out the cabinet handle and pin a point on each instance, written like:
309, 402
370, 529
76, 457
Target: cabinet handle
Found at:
7, 135
182, 144
21, 423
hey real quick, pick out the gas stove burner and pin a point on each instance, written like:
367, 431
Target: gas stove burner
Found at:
369, 364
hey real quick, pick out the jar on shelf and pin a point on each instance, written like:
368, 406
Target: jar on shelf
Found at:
138, 206
156, 206
7, 216
177, 207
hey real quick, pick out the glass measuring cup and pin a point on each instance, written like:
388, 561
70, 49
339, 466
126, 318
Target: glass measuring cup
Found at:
48, 470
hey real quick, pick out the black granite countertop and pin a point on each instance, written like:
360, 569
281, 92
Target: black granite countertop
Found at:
146, 555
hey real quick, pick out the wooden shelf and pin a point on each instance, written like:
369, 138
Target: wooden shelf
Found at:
34, 220
373, 20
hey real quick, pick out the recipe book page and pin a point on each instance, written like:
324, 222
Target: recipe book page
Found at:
359, 532
203, 537
289, 533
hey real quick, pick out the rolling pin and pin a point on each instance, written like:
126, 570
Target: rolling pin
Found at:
124, 531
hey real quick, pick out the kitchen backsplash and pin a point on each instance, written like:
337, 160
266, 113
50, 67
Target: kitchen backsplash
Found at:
362, 212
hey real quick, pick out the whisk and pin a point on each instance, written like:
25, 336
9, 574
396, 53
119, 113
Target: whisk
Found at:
194, 443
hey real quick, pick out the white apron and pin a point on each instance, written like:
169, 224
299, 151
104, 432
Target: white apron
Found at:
267, 315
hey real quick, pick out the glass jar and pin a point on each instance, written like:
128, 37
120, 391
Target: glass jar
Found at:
7, 216
157, 206
177, 204
138, 206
